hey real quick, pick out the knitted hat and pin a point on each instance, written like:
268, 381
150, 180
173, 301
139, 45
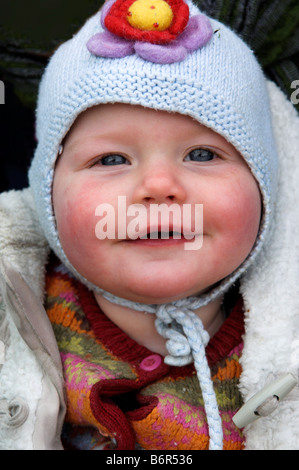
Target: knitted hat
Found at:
165, 55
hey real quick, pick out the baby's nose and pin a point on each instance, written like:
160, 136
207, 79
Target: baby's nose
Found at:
159, 186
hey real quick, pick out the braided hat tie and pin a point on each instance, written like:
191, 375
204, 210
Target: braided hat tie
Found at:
186, 342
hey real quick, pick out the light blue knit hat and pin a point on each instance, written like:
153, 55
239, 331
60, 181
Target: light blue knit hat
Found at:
215, 80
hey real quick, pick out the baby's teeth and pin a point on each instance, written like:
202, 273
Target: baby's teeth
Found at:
154, 235
176, 234
164, 235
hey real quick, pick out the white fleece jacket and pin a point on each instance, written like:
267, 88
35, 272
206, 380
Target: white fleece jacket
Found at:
32, 405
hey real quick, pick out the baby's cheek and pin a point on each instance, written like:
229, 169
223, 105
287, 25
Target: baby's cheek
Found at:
76, 223
238, 210
246, 213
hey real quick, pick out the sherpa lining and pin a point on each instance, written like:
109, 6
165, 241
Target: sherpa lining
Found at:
270, 292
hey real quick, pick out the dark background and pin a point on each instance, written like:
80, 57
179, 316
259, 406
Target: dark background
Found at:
29, 33
31, 30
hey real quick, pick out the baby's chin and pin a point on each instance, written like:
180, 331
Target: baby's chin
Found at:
158, 294
160, 287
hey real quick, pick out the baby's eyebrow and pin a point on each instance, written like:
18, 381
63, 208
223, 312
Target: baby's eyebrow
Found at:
106, 137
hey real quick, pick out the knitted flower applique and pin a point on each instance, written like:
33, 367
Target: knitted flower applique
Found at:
159, 31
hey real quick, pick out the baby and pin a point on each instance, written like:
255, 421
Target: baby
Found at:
157, 106
171, 159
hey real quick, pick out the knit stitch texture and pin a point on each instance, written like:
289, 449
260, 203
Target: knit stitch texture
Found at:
113, 402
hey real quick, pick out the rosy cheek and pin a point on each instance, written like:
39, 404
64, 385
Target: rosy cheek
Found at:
235, 211
76, 220
250, 205
245, 214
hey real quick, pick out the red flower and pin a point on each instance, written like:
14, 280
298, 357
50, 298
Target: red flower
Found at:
174, 16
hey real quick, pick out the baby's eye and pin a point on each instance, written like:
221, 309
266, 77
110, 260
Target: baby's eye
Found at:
113, 159
200, 155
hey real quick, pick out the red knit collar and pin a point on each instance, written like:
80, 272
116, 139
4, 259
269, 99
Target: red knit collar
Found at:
120, 344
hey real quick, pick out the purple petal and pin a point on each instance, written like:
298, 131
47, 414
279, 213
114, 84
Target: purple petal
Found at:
108, 45
105, 9
198, 32
167, 54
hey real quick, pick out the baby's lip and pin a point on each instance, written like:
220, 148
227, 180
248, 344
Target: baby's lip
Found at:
160, 234
160, 231
155, 232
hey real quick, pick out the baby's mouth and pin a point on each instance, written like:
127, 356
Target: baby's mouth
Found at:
164, 238
158, 238
162, 235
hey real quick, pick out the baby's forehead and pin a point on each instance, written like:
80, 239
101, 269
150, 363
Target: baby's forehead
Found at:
139, 134
118, 118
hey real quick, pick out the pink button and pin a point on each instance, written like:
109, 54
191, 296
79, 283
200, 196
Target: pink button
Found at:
151, 362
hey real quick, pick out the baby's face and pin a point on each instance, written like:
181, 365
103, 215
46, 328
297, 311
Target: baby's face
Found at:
152, 158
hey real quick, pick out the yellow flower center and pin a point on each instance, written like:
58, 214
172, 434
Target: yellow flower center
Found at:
150, 15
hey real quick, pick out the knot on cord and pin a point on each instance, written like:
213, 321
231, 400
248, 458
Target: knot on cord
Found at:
182, 329
186, 342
